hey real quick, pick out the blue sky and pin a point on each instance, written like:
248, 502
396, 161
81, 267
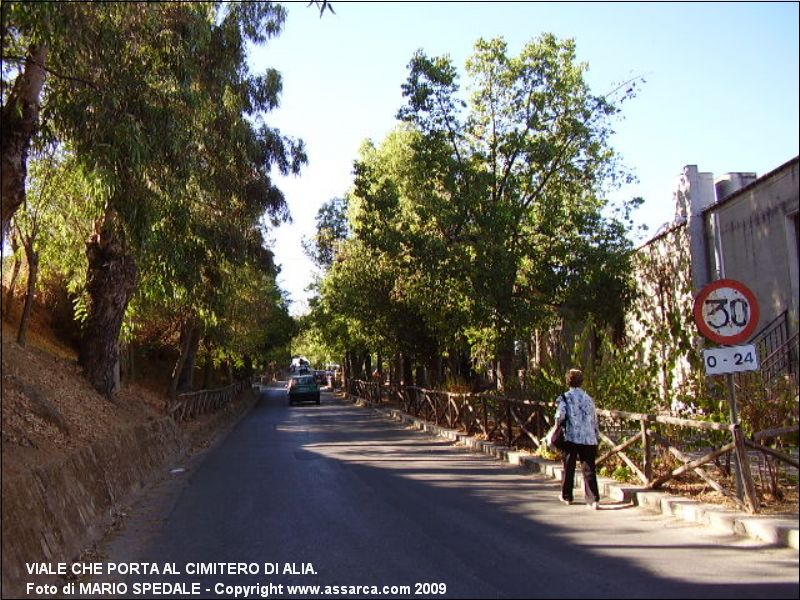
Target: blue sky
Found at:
720, 91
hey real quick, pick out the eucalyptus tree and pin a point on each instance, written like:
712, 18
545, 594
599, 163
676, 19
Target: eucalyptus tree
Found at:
52, 225
152, 86
334, 330
28, 226
212, 227
358, 288
24, 56
331, 231
526, 175
344, 318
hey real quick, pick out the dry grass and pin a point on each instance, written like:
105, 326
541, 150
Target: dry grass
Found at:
48, 406
786, 506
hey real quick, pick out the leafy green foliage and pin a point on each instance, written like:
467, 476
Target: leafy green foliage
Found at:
160, 137
475, 223
332, 230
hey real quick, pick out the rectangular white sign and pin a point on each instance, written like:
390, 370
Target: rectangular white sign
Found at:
730, 359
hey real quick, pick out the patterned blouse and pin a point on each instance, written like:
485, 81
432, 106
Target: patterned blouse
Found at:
582, 426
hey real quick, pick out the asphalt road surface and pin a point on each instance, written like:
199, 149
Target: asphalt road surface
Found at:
340, 497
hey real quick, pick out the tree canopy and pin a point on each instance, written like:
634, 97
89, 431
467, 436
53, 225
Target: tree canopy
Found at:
481, 219
160, 123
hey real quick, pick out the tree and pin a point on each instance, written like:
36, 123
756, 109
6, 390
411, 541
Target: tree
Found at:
475, 224
20, 117
405, 217
159, 67
28, 226
528, 167
52, 224
331, 232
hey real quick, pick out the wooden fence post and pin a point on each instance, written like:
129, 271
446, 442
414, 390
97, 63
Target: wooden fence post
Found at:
743, 465
510, 425
647, 456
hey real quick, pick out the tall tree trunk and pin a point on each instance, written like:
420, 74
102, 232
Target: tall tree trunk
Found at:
346, 371
434, 370
466, 367
408, 374
397, 369
356, 365
352, 366
452, 366
506, 378
14, 274
183, 373
208, 365
20, 116
367, 365
421, 378
30, 295
186, 380
127, 369
110, 282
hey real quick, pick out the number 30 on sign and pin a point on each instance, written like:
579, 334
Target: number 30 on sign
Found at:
726, 312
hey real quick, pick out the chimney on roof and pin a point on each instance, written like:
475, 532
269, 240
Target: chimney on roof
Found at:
730, 183
694, 192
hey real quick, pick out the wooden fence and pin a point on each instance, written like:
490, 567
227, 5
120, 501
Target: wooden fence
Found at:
649, 445
192, 404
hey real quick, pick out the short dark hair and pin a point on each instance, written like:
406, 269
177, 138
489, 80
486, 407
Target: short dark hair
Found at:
575, 378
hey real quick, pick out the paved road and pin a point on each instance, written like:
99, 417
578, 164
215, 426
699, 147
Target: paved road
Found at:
367, 502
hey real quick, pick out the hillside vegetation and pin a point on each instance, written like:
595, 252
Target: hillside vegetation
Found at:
138, 184
49, 409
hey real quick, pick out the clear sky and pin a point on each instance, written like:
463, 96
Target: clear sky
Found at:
720, 91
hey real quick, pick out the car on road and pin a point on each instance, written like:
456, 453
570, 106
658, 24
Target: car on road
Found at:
302, 388
321, 377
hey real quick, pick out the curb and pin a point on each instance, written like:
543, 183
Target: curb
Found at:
777, 531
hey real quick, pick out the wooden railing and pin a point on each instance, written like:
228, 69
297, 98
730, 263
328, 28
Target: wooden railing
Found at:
192, 404
649, 445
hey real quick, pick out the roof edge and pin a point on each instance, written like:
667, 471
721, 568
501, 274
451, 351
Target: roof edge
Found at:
789, 163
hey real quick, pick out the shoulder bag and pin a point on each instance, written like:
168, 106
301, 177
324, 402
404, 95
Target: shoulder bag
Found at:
556, 437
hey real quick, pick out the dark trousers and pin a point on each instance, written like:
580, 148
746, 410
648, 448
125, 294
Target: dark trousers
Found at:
587, 454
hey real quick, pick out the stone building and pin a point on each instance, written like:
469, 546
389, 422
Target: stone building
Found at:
752, 235
738, 226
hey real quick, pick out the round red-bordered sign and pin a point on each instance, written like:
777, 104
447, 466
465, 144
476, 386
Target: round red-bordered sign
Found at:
726, 312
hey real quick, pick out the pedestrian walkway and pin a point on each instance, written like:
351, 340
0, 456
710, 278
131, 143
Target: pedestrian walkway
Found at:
779, 531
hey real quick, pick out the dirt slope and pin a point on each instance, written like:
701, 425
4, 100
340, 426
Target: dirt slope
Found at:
49, 409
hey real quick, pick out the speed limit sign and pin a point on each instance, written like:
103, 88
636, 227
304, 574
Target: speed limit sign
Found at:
726, 312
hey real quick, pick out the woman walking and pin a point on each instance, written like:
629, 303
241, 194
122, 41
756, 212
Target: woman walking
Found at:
582, 438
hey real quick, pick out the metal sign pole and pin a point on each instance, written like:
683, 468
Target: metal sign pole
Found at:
726, 312
735, 421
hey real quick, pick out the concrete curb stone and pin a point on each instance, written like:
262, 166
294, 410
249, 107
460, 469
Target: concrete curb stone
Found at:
778, 531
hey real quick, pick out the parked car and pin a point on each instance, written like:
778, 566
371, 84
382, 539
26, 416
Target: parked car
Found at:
321, 377
302, 388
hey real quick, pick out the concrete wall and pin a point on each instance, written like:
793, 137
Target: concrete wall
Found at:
742, 228
660, 320
758, 241
51, 514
